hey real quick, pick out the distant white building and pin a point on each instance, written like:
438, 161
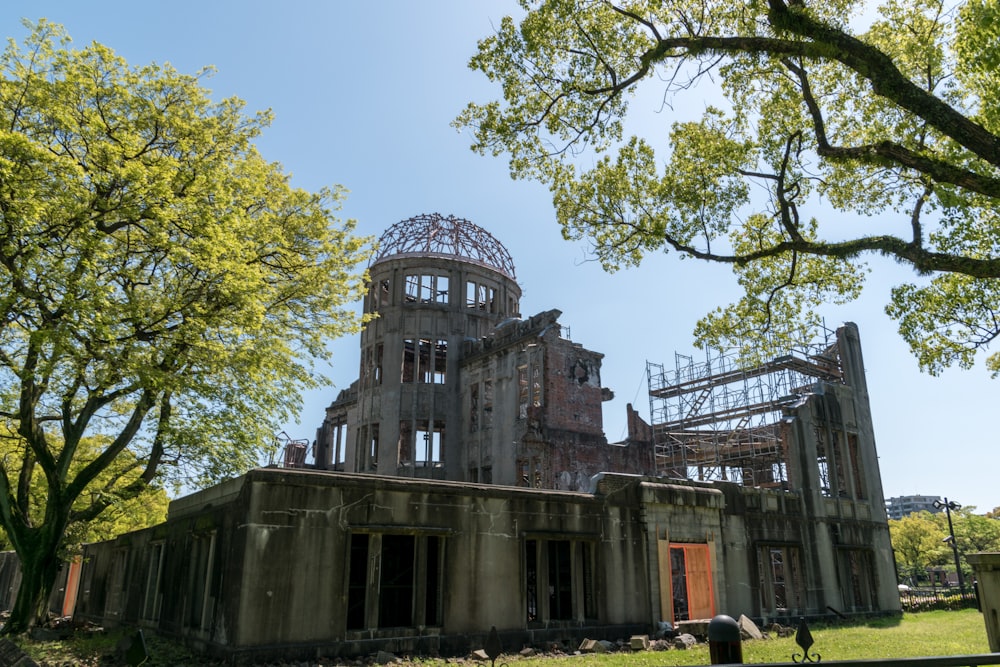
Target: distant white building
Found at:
898, 507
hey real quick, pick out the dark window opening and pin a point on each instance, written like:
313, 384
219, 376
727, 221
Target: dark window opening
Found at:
589, 587
395, 607
154, 571
487, 403
425, 361
560, 581
368, 444
678, 584
858, 572
357, 583
409, 367
780, 579
200, 581
409, 591
531, 576
474, 408
856, 467
432, 598
522, 392
426, 288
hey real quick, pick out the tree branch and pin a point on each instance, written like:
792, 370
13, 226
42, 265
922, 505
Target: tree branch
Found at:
885, 78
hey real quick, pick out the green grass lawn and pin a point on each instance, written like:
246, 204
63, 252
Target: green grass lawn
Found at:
925, 634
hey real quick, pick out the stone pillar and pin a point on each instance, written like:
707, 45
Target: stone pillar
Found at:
986, 570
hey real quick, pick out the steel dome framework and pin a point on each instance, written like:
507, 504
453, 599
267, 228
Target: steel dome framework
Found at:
436, 234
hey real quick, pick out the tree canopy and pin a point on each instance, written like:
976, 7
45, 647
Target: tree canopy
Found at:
146, 509
164, 290
843, 132
918, 541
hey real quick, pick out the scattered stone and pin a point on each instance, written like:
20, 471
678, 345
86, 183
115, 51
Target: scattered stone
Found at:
639, 642
660, 645
479, 654
684, 641
587, 645
697, 627
527, 652
384, 657
782, 630
749, 629
604, 646
665, 630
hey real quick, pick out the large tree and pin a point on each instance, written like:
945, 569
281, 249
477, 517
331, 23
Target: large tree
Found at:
841, 132
164, 290
146, 509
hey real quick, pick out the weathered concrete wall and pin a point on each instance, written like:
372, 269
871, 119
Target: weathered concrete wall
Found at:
299, 562
986, 570
183, 577
279, 575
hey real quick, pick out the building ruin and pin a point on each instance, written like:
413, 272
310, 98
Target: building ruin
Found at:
455, 385
464, 481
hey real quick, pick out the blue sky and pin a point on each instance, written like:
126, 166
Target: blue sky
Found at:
363, 96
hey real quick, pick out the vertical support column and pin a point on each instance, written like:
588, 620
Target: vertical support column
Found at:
986, 578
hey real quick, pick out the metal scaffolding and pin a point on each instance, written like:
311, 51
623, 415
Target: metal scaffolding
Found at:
715, 420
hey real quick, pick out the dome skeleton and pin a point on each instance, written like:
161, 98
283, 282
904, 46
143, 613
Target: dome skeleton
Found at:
435, 234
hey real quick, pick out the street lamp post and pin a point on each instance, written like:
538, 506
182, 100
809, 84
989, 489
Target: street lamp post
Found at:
948, 507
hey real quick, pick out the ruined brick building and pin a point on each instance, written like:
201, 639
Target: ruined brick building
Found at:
454, 385
464, 481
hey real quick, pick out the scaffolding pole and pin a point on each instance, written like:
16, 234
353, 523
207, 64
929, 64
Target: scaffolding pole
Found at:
719, 421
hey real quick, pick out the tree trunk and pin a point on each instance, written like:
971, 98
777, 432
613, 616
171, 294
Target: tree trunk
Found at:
40, 565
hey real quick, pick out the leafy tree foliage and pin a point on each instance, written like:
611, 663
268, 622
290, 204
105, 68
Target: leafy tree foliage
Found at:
144, 510
835, 143
164, 290
918, 540
917, 545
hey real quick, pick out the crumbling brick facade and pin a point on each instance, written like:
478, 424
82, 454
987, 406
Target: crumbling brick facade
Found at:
454, 385
494, 499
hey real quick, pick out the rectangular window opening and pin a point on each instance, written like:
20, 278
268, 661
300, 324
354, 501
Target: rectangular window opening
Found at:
200, 581
441, 289
522, 392
357, 582
531, 578
432, 587
411, 290
780, 579
474, 408
383, 294
373, 447
560, 581
856, 467
536, 385
409, 574
409, 365
428, 443
154, 571
395, 606
487, 403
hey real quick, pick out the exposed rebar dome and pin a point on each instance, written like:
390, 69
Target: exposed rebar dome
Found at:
437, 235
